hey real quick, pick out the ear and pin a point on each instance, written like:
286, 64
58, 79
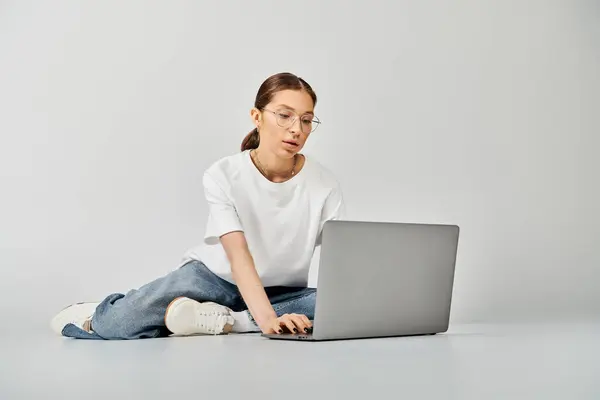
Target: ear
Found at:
256, 116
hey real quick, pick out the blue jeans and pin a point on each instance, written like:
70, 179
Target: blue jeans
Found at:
140, 313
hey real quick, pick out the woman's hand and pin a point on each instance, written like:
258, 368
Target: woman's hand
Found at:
294, 323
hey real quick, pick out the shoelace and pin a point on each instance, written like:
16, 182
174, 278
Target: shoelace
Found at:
208, 320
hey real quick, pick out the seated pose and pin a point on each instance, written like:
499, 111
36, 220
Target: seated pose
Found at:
267, 206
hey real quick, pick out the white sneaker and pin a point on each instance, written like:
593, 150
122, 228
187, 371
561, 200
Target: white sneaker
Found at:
185, 317
77, 314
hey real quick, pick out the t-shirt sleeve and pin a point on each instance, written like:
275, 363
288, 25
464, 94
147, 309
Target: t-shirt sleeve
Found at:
333, 209
222, 215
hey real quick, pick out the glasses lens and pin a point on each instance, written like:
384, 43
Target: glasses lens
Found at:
308, 123
284, 118
314, 124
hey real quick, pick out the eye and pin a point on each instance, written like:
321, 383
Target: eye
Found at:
307, 121
284, 115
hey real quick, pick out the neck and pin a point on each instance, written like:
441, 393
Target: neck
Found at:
273, 165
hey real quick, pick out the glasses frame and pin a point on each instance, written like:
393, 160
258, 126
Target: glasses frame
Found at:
315, 120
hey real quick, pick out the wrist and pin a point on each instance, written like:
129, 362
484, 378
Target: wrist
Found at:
262, 320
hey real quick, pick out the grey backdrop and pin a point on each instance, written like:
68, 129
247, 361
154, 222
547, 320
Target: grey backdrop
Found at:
482, 114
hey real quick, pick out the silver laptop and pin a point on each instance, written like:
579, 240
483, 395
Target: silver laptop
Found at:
382, 279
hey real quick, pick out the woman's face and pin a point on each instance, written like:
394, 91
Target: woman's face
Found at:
285, 123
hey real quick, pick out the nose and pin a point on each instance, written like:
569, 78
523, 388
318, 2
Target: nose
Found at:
296, 129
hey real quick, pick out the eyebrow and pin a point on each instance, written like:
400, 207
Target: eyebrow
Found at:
293, 109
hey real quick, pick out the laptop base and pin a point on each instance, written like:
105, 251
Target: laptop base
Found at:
307, 337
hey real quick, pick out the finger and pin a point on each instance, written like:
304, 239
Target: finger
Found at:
277, 327
306, 321
268, 330
289, 323
299, 322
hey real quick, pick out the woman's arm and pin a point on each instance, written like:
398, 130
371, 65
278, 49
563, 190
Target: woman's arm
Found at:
251, 288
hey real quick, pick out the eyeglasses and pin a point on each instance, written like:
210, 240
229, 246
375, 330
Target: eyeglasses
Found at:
286, 118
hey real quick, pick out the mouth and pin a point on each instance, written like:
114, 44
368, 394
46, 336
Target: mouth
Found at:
291, 143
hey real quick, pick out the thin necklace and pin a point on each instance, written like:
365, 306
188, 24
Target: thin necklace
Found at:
264, 170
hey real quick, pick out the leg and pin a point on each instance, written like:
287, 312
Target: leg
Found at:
294, 301
140, 313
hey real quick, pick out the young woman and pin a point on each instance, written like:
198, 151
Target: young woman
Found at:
267, 206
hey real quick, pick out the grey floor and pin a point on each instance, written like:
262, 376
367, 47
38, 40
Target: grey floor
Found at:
469, 362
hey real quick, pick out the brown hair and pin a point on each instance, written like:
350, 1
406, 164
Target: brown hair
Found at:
268, 89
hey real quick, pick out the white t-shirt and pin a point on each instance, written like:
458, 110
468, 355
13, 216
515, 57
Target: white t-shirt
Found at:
282, 222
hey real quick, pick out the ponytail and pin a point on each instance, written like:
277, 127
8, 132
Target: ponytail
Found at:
251, 140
